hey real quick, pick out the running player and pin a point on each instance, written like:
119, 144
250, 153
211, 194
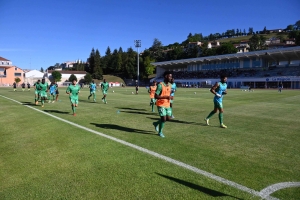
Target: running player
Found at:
152, 90
37, 92
219, 90
52, 90
56, 92
43, 91
137, 89
104, 87
28, 86
23, 86
15, 86
280, 86
93, 88
163, 97
173, 90
73, 91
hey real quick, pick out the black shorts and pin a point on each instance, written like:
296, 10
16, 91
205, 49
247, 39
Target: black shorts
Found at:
57, 92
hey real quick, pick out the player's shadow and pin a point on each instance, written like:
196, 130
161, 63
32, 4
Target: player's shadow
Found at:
56, 111
205, 190
131, 109
122, 128
27, 103
176, 121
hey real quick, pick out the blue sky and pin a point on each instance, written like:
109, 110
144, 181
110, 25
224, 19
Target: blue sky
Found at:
40, 33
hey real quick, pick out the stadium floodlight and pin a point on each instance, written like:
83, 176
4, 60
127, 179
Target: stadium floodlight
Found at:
138, 44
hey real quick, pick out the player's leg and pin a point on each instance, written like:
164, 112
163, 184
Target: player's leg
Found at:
57, 94
171, 106
214, 111
90, 95
221, 110
94, 96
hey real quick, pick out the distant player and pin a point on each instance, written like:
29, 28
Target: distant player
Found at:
56, 92
219, 90
52, 91
280, 86
73, 91
163, 97
93, 88
152, 90
173, 90
15, 86
37, 92
43, 91
136, 89
28, 86
104, 87
23, 86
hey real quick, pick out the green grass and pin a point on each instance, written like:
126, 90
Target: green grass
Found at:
44, 158
247, 37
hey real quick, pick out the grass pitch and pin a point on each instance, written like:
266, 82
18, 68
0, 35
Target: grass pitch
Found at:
45, 158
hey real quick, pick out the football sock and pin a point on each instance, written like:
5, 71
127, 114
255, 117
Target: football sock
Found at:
221, 118
210, 114
42, 102
152, 107
94, 96
161, 126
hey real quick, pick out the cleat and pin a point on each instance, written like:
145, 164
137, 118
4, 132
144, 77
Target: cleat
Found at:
161, 135
103, 100
88, 98
53, 101
94, 100
74, 114
172, 117
36, 103
43, 106
155, 124
223, 126
207, 121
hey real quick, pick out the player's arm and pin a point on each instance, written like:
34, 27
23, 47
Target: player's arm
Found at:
68, 91
213, 89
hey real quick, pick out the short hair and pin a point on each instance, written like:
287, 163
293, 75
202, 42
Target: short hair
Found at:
223, 76
167, 72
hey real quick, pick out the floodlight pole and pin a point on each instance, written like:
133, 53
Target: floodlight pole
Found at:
137, 44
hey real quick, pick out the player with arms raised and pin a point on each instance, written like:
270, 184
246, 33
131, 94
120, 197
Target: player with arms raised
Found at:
219, 90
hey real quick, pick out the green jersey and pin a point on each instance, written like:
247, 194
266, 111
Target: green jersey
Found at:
73, 90
43, 87
37, 86
105, 86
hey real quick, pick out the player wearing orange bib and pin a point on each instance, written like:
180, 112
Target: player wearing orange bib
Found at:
163, 97
152, 90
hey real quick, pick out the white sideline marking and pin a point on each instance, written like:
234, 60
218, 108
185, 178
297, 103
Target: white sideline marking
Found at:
278, 186
264, 195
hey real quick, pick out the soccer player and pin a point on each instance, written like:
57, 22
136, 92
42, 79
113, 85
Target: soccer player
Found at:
163, 97
52, 90
280, 87
219, 90
43, 91
28, 86
56, 92
73, 91
152, 90
93, 88
23, 86
137, 89
104, 87
173, 90
15, 86
37, 92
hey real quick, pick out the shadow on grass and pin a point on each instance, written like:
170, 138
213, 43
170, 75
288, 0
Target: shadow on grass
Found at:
122, 128
178, 121
205, 190
56, 111
131, 109
28, 103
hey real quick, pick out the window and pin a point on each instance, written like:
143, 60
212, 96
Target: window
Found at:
18, 74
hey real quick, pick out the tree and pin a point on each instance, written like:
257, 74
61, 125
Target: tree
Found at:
97, 71
290, 28
88, 78
72, 78
149, 69
17, 80
265, 30
56, 75
226, 48
257, 42
91, 60
42, 69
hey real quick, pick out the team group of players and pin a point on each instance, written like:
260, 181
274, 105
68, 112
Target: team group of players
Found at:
42, 88
162, 95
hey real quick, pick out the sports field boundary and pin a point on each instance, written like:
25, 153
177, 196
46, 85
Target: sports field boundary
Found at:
265, 193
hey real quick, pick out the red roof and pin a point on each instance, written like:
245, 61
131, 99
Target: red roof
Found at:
3, 59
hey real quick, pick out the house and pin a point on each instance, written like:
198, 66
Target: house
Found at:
243, 46
65, 75
8, 72
33, 75
213, 44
